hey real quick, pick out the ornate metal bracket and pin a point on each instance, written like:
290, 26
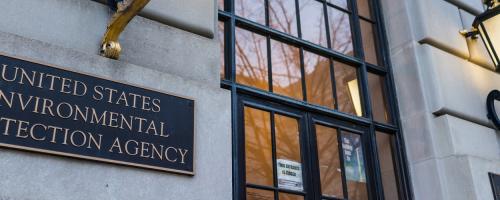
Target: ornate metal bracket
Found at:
126, 11
490, 106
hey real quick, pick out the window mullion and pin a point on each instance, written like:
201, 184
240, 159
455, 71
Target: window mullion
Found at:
342, 166
273, 142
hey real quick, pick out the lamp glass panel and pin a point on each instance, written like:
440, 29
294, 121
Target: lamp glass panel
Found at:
492, 29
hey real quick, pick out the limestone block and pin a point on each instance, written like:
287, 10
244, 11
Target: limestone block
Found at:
418, 132
456, 178
471, 139
454, 85
409, 86
427, 183
438, 23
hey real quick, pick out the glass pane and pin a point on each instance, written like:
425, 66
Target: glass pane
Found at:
340, 31
379, 100
369, 44
339, 3
251, 59
287, 138
389, 183
348, 93
221, 42
364, 8
329, 162
493, 31
286, 196
251, 9
258, 147
354, 166
318, 80
286, 70
220, 3
289, 165
256, 194
312, 22
282, 16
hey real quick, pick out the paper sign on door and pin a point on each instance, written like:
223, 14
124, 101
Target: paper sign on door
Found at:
289, 174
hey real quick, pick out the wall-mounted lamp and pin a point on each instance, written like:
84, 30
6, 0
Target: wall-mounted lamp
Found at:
487, 25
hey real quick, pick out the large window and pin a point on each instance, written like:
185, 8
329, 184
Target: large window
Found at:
314, 113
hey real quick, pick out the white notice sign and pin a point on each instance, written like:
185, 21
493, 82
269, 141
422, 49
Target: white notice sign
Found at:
289, 174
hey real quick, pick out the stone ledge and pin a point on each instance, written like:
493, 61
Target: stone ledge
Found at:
438, 23
442, 72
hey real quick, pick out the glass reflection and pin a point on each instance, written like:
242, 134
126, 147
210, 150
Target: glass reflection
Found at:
364, 8
256, 194
348, 95
369, 42
329, 162
354, 166
340, 31
339, 3
258, 147
251, 9
220, 4
221, 42
286, 70
287, 138
385, 156
251, 59
318, 80
376, 84
282, 16
288, 153
312, 22
286, 196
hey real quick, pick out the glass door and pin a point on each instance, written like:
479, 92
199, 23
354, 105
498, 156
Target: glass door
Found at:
341, 162
275, 152
289, 154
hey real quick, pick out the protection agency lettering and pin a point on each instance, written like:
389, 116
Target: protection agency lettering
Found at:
56, 111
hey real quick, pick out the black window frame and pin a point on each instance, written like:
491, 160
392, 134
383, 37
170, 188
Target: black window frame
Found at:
240, 92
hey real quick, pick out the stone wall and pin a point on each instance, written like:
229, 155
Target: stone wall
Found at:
442, 81
179, 58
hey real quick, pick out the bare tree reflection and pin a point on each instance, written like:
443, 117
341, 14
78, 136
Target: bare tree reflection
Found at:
258, 147
252, 61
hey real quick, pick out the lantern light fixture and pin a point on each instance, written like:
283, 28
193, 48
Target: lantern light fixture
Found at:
487, 25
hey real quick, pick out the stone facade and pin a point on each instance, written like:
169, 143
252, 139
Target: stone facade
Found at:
178, 58
442, 80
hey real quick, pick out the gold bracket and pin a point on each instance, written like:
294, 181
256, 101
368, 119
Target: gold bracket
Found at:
127, 10
472, 33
